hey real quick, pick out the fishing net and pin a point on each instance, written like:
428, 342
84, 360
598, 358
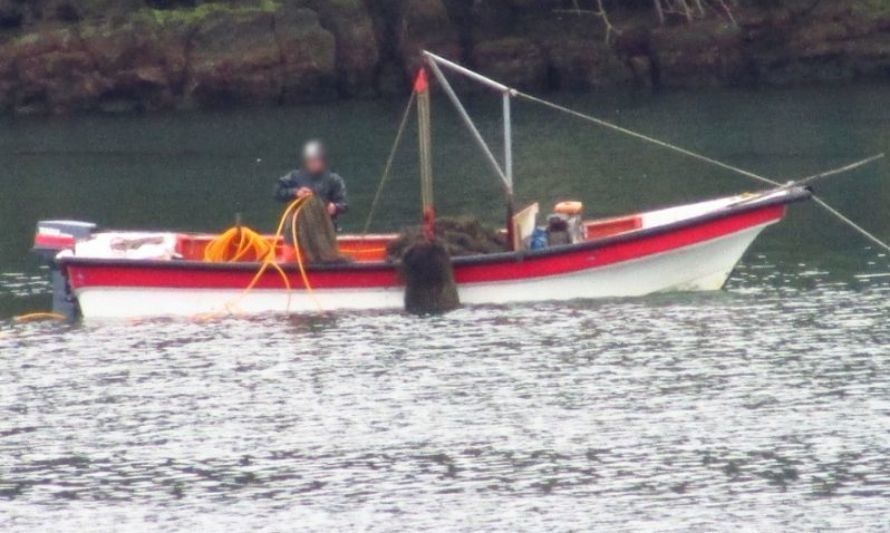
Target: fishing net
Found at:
316, 234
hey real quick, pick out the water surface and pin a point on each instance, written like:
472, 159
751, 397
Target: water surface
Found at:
763, 407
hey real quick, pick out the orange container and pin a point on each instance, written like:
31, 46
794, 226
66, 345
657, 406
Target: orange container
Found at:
569, 208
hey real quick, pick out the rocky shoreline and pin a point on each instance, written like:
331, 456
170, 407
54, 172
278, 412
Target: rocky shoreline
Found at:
61, 56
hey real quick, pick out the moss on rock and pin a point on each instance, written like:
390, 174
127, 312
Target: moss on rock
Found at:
62, 55
201, 12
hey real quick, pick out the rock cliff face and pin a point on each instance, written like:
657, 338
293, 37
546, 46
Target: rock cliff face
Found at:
59, 56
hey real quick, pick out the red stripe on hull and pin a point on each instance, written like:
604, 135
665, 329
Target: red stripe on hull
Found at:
573, 261
191, 276
188, 275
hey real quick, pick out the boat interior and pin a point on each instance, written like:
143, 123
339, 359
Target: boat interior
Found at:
565, 225
373, 247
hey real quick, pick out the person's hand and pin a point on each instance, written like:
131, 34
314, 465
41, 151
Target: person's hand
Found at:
332, 209
303, 192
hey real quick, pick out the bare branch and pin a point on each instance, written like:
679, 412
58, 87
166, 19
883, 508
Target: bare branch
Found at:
690, 10
600, 12
659, 10
727, 11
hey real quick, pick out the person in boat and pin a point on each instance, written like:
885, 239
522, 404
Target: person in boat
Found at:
314, 177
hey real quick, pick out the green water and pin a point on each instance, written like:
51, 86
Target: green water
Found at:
194, 171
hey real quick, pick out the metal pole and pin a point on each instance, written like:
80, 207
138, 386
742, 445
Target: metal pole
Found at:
425, 142
508, 142
433, 59
508, 170
468, 122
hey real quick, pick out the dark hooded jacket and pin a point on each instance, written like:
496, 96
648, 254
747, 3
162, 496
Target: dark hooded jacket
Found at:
328, 186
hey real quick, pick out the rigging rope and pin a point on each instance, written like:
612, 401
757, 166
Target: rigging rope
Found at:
389, 161
651, 140
606, 124
840, 170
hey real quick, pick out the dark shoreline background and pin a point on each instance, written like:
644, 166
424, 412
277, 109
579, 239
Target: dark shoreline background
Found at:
62, 56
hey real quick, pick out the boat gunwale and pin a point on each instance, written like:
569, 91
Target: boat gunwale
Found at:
792, 195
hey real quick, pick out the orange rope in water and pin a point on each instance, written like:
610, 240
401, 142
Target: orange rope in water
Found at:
33, 317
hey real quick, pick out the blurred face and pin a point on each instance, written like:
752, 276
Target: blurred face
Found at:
314, 165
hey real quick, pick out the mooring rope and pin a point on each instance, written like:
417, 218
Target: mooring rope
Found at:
840, 170
852, 224
389, 161
689, 153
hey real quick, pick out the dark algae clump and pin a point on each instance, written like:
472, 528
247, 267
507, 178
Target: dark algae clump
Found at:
460, 236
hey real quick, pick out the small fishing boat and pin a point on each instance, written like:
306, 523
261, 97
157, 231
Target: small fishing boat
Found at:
694, 247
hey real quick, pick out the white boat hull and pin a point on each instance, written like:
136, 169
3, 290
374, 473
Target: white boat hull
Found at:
700, 267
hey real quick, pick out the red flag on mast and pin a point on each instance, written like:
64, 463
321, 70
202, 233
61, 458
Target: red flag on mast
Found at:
421, 82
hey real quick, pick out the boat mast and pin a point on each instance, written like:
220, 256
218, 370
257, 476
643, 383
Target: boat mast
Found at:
424, 133
505, 173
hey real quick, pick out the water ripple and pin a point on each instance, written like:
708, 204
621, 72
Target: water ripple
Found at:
760, 409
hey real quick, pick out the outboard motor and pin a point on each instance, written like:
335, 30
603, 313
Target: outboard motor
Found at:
53, 237
565, 225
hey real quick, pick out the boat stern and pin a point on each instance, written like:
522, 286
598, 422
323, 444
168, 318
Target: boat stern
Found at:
52, 238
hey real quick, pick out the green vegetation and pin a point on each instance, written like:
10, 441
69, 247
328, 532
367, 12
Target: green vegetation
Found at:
876, 7
64, 55
193, 15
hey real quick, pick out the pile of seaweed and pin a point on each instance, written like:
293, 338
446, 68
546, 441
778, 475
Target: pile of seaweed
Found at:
460, 236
